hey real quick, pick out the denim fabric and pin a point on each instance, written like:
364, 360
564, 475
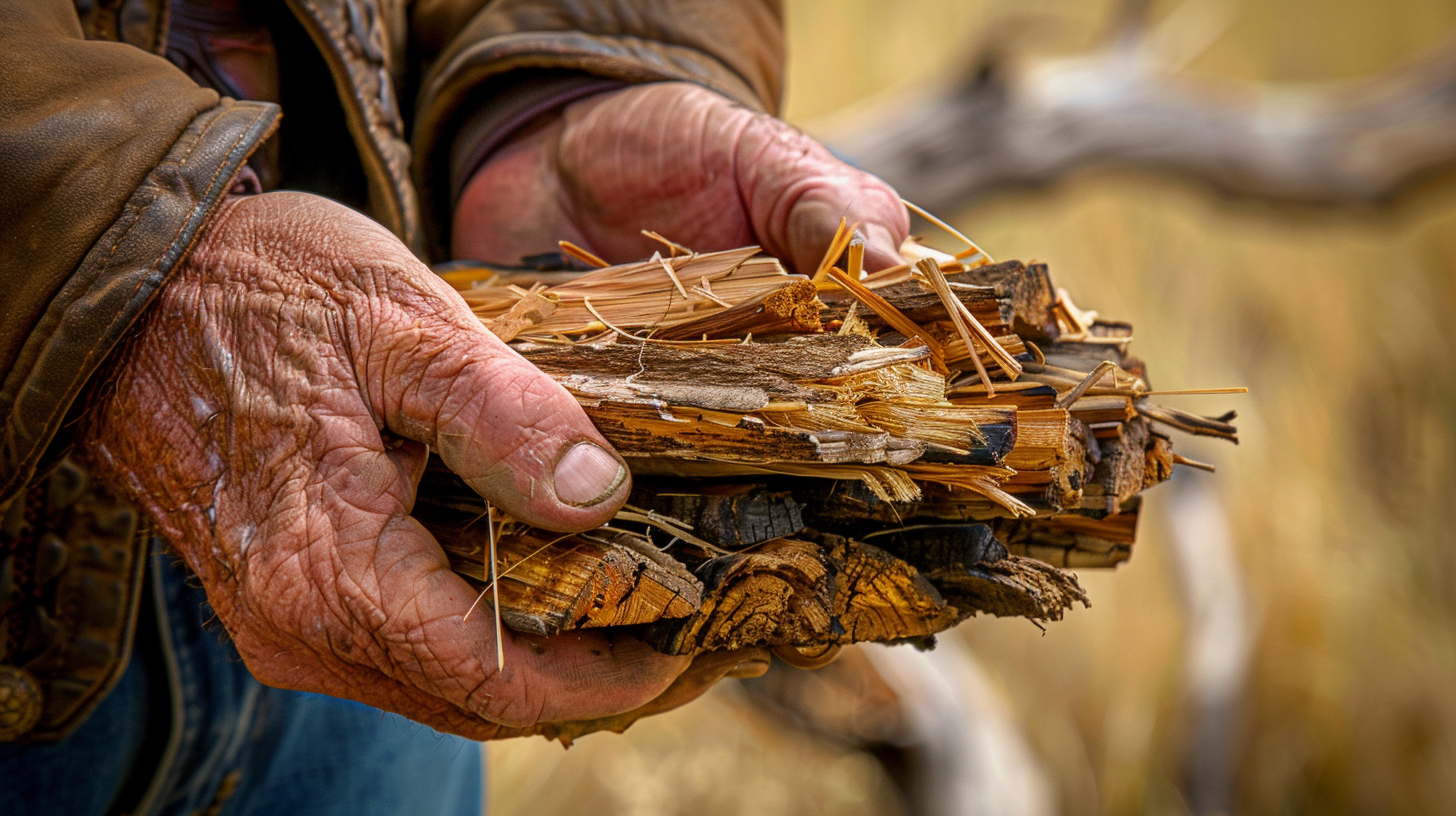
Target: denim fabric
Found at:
82, 774
235, 747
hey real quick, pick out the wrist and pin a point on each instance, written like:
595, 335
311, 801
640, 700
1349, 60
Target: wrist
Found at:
504, 117
503, 185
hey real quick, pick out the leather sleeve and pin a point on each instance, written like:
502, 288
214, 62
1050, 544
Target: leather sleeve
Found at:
111, 161
479, 54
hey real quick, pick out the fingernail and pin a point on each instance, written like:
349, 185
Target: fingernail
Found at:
749, 669
587, 475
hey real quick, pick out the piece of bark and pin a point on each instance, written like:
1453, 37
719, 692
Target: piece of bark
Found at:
921, 304
643, 433
849, 508
802, 593
1024, 393
1082, 539
1120, 470
934, 548
790, 309
1075, 538
551, 583
1013, 587
1188, 423
770, 366
1026, 288
728, 516
624, 390
976, 574
737, 376
1084, 357
1009, 295
1158, 467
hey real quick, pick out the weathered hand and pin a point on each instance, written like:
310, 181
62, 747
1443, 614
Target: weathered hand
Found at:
675, 158
707, 669
274, 414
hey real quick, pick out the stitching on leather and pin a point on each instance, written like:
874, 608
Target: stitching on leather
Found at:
137, 212
207, 193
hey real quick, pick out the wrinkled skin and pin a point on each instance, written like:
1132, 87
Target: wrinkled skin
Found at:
275, 409
678, 159
273, 415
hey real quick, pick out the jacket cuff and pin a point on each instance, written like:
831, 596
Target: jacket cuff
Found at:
118, 277
491, 73
481, 133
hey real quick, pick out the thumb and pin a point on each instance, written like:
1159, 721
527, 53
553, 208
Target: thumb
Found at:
511, 432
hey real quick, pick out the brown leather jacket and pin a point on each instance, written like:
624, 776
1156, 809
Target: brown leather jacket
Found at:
112, 161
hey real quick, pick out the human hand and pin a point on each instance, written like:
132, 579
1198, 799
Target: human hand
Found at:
681, 160
706, 670
274, 413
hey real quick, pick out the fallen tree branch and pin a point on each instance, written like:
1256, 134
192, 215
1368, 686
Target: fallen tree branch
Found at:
1001, 127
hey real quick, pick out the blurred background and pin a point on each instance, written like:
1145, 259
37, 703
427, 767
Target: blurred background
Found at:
1283, 640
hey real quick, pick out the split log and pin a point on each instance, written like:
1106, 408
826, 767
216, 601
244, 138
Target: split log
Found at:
814, 490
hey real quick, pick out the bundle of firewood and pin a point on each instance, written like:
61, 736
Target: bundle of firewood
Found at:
819, 460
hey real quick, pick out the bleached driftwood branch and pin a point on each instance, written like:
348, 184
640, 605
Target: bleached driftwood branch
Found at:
1004, 127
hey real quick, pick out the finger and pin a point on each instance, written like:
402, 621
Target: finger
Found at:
814, 219
797, 192
813, 657
882, 247
377, 612
705, 672
575, 675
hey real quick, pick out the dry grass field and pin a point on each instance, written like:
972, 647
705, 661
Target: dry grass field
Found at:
1341, 497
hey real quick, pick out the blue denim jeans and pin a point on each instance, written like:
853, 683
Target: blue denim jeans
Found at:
187, 730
